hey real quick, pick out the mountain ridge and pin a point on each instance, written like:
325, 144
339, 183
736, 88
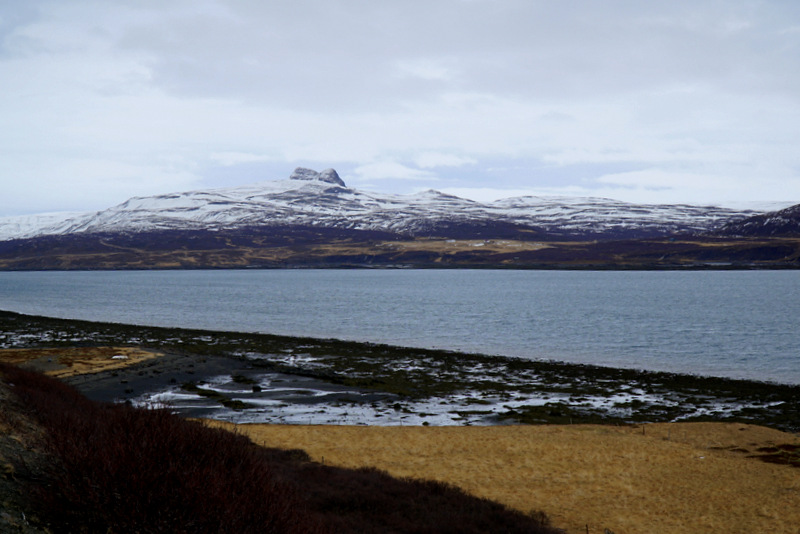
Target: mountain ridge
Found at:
310, 198
314, 219
785, 222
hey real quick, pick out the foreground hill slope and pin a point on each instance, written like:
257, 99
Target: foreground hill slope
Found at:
80, 466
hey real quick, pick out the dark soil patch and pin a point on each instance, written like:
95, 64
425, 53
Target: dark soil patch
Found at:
785, 454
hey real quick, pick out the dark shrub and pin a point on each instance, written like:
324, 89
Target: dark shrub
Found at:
119, 469
123, 469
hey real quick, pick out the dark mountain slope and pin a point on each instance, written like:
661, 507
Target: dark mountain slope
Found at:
782, 223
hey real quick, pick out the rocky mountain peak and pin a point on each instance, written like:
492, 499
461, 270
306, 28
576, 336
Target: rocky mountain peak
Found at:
328, 175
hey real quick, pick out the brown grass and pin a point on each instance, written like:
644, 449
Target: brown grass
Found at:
438, 246
657, 478
450, 246
64, 362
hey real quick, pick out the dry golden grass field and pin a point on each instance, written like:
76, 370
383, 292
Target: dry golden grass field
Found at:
657, 478
64, 362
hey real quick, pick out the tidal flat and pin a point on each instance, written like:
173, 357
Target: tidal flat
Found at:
261, 378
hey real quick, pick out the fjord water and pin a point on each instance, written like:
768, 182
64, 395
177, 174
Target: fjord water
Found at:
740, 324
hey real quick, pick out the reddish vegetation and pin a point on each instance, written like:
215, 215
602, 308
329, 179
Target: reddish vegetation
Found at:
134, 470
116, 468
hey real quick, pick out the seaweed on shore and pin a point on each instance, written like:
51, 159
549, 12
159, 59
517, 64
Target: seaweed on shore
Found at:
583, 393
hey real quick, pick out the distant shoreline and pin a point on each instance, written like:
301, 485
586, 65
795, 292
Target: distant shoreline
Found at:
258, 249
711, 266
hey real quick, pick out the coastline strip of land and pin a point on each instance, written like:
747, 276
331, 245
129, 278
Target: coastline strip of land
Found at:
248, 377
723, 472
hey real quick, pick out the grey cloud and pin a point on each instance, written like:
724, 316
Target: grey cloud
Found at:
323, 54
318, 54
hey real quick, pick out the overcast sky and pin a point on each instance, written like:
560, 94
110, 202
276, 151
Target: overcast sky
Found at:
660, 102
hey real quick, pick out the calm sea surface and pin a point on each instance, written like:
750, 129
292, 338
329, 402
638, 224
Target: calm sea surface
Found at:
743, 324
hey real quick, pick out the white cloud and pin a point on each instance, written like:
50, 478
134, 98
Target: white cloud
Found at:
229, 159
657, 179
428, 160
424, 68
390, 170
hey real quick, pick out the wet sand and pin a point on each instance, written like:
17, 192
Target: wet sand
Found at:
172, 371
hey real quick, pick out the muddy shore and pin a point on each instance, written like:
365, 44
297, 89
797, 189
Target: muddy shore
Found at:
242, 377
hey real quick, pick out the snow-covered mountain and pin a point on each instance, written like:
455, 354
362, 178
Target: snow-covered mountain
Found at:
309, 198
784, 222
32, 225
